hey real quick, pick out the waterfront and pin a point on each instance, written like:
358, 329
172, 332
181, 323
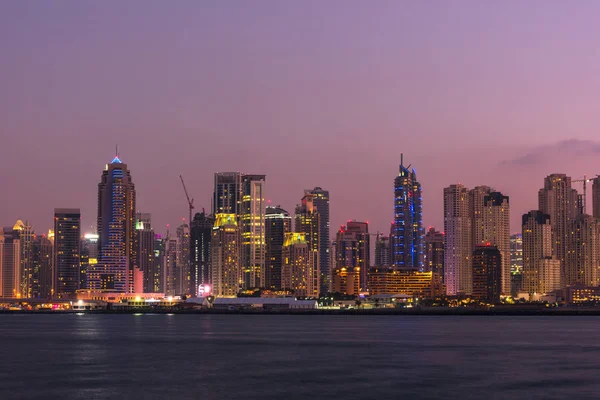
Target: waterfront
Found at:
278, 356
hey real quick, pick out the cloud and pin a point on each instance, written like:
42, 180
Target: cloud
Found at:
563, 148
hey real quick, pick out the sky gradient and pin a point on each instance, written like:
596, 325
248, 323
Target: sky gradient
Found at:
309, 93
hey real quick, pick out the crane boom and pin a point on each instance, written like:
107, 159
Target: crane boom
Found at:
190, 201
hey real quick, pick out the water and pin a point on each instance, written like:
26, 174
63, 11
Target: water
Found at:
297, 357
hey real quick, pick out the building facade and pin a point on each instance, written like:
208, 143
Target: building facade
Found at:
200, 251
320, 198
496, 231
583, 256
434, 251
487, 274
252, 227
308, 222
299, 274
67, 234
541, 269
226, 255
458, 243
10, 264
278, 222
388, 280
353, 247
382, 251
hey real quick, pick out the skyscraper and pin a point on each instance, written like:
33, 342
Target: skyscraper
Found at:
200, 251
487, 274
116, 230
144, 249
226, 254
298, 272
278, 222
308, 222
353, 247
252, 226
67, 234
10, 264
434, 252
407, 232
227, 193
583, 256
172, 269
157, 277
42, 267
596, 197
541, 269
496, 231
24, 232
382, 251
88, 257
559, 201
321, 203
516, 263
458, 245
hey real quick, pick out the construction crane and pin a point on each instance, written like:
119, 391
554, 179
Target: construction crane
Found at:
190, 201
585, 180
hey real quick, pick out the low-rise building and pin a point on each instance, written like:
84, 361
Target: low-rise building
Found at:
284, 303
389, 280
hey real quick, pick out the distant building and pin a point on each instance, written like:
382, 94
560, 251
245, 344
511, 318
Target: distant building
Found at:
320, 198
183, 259
42, 267
382, 251
434, 251
172, 271
541, 269
308, 222
200, 251
353, 247
10, 263
227, 193
299, 274
156, 278
596, 197
252, 228
225, 252
583, 256
406, 238
67, 233
496, 231
144, 250
388, 280
478, 213
346, 281
88, 257
516, 263
24, 232
458, 241
487, 274
278, 222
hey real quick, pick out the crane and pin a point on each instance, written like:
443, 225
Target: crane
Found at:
585, 180
190, 201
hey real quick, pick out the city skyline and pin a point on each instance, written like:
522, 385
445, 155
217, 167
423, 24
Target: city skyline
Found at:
505, 114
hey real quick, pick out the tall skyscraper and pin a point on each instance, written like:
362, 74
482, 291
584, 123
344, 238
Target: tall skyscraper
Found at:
42, 267
24, 232
88, 257
487, 274
252, 226
559, 201
382, 251
10, 264
434, 252
298, 273
407, 239
353, 248
541, 269
116, 230
67, 234
583, 256
321, 202
227, 193
172, 269
183, 258
308, 222
226, 254
200, 251
458, 245
596, 197
278, 222
516, 263
496, 231
157, 277
477, 213
144, 249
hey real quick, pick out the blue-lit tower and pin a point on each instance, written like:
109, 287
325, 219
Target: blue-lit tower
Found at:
407, 235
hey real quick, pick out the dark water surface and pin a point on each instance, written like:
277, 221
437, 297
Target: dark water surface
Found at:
297, 357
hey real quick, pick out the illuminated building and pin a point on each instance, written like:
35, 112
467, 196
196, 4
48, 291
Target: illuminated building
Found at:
487, 274
183, 259
434, 251
226, 254
320, 199
353, 252
24, 232
67, 233
516, 263
560, 202
308, 222
478, 214
116, 230
583, 255
10, 264
252, 227
382, 250
299, 274
88, 256
42, 267
157, 277
541, 269
458, 245
144, 250
346, 281
496, 231
596, 197
406, 238
227, 193
172, 271
200, 251
388, 280
278, 222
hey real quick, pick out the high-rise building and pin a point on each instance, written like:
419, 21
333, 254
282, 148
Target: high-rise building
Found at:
144, 249
116, 230
583, 256
252, 227
407, 239
434, 251
10, 264
321, 203
298, 273
487, 274
226, 254
278, 222
458, 244
88, 257
227, 193
308, 222
541, 269
67, 234
183, 258
157, 276
200, 251
560, 202
42, 267
477, 212
516, 263
24, 232
596, 197
382, 251
171, 270
496, 231
353, 247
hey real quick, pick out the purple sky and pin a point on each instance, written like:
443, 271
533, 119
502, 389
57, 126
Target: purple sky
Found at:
309, 93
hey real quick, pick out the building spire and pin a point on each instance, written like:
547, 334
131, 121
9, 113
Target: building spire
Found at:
116, 160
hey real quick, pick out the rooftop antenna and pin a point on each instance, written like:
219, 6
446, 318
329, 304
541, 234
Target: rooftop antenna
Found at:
117, 150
